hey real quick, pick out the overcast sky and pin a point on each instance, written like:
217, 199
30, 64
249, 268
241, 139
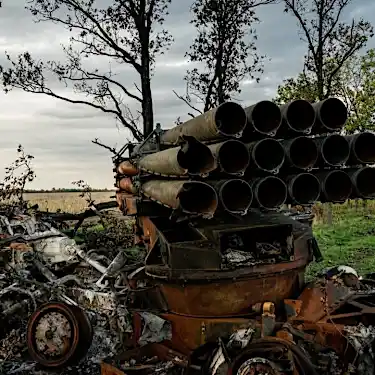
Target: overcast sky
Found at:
59, 134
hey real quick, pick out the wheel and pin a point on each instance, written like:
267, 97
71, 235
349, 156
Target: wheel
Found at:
58, 335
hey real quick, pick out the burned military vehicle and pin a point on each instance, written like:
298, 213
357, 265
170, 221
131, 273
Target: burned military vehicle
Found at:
225, 263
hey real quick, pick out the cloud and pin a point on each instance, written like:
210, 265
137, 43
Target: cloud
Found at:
59, 134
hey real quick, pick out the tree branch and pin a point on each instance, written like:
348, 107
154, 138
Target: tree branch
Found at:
187, 102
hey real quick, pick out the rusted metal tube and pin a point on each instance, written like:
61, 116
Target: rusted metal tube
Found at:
267, 155
333, 149
298, 117
192, 197
232, 156
301, 152
363, 180
269, 192
193, 157
362, 148
235, 195
126, 184
331, 115
303, 188
263, 118
228, 119
336, 186
127, 168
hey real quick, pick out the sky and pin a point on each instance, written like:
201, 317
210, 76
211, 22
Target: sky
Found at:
59, 134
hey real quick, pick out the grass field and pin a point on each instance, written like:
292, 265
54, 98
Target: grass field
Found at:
66, 202
350, 240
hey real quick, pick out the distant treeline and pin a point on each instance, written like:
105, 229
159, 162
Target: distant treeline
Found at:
54, 190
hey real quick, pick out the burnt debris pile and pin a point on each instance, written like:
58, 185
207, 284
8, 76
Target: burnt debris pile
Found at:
234, 159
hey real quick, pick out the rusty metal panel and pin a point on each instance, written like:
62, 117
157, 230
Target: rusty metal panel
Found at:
107, 369
229, 297
188, 333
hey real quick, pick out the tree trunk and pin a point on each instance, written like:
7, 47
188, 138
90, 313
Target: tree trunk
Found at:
147, 107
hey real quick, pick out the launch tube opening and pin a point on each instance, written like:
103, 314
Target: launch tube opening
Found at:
333, 113
335, 150
195, 157
300, 115
234, 157
230, 118
198, 197
303, 152
364, 148
337, 186
236, 196
266, 117
365, 183
271, 192
304, 189
268, 154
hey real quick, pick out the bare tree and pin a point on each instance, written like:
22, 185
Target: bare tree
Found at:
123, 32
225, 47
330, 41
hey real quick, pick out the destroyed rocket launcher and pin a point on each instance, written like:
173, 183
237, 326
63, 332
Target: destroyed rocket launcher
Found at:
232, 159
206, 196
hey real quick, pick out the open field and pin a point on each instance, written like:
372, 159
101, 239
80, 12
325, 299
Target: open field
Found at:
66, 202
349, 241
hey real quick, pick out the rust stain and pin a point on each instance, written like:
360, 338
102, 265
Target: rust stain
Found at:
107, 369
228, 297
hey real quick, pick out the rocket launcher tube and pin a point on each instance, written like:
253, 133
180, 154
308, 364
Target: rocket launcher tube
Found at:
193, 157
228, 119
192, 197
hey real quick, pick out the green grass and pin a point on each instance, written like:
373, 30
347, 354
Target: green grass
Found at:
349, 241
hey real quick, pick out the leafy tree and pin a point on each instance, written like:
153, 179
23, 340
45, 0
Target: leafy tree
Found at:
225, 47
122, 32
354, 84
330, 42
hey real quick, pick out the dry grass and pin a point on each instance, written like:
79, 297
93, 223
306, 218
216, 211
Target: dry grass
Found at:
66, 202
